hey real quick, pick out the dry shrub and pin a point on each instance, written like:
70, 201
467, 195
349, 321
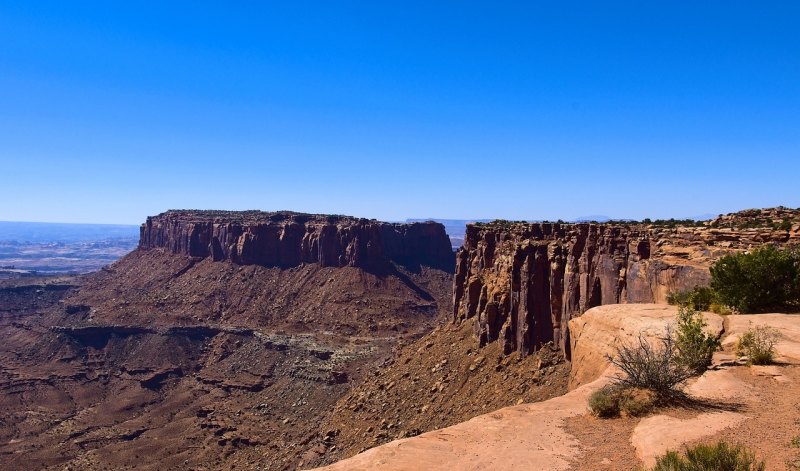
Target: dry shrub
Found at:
719, 457
616, 400
758, 344
656, 368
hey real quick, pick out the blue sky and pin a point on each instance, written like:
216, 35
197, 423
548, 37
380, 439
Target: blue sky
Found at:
111, 111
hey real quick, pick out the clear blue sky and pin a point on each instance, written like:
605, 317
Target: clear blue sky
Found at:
110, 111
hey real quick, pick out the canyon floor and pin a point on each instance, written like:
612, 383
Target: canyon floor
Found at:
245, 367
183, 397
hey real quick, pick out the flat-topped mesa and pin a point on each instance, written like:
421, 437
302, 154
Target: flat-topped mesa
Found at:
523, 282
286, 239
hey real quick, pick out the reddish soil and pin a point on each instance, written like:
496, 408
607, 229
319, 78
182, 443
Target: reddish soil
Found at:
167, 362
437, 381
151, 287
773, 421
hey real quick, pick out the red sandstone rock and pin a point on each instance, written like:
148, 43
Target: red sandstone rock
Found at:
287, 239
521, 283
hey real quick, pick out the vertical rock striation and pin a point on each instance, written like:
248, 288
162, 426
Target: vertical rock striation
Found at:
287, 239
522, 283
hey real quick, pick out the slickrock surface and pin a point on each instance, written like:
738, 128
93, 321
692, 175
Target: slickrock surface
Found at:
600, 331
521, 283
528, 436
559, 433
658, 434
756, 405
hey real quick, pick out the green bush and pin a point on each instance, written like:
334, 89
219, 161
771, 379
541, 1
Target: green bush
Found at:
605, 402
719, 457
615, 400
695, 346
764, 279
758, 345
699, 298
719, 308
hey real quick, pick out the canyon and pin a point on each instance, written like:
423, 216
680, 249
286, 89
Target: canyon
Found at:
278, 341
178, 357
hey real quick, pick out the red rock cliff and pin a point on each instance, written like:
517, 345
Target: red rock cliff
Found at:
287, 239
521, 283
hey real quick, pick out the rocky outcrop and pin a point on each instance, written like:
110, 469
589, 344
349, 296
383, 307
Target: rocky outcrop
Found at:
549, 435
597, 334
287, 239
521, 283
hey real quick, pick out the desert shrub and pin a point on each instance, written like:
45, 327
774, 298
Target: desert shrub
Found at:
699, 298
695, 346
616, 400
605, 402
718, 308
719, 457
637, 402
656, 368
758, 345
765, 279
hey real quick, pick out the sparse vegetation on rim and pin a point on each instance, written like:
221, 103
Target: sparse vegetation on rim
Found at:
657, 368
615, 400
758, 345
718, 457
699, 298
695, 346
653, 372
764, 279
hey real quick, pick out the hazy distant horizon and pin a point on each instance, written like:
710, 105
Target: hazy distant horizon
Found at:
594, 217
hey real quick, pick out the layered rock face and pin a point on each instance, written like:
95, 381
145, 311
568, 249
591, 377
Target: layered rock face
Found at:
521, 283
287, 239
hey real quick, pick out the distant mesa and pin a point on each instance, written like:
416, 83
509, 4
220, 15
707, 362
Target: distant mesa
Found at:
593, 218
455, 228
287, 239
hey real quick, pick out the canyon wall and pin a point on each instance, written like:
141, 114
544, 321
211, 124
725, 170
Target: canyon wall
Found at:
521, 283
287, 239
